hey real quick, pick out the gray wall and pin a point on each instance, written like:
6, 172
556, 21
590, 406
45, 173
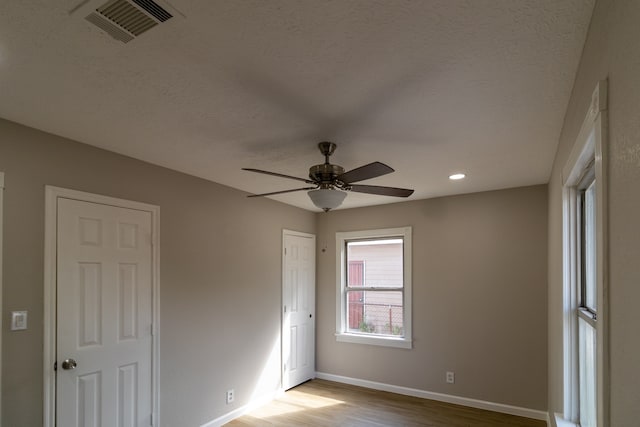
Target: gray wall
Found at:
220, 274
479, 297
612, 50
479, 291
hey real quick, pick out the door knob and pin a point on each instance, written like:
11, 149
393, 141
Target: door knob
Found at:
68, 364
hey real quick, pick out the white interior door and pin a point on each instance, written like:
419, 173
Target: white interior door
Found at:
104, 315
298, 294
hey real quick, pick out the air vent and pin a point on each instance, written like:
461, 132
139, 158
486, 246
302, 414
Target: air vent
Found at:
109, 28
154, 9
124, 20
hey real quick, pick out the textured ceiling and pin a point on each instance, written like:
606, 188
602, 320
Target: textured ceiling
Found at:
429, 87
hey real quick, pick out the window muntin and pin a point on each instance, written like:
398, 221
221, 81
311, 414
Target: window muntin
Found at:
374, 287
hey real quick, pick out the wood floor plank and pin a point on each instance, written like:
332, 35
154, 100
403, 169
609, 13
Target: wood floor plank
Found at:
326, 404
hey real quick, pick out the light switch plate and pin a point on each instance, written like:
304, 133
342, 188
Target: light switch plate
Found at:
18, 320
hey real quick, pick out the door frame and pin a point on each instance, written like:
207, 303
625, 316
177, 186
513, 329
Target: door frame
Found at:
1, 315
286, 232
52, 194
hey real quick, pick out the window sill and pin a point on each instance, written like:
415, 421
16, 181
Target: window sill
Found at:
380, 341
561, 422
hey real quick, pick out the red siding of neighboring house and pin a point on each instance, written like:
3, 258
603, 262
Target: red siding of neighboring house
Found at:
356, 278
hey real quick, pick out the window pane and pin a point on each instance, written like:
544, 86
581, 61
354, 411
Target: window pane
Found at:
355, 276
375, 312
589, 298
380, 261
587, 372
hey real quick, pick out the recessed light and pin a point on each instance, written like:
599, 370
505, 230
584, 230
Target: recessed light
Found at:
456, 176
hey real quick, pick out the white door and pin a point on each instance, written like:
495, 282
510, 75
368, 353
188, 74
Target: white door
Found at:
298, 307
104, 306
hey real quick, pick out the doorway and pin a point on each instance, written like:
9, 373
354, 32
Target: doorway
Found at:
298, 308
101, 310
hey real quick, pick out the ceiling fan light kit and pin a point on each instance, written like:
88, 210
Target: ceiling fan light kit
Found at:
326, 198
331, 181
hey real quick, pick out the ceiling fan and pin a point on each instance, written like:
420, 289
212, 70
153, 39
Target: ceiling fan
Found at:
330, 182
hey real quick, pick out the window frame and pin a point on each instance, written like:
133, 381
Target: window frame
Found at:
587, 156
589, 314
342, 334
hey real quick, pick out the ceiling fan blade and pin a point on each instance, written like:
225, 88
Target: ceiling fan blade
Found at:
308, 181
372, 170
382, 191
281, 192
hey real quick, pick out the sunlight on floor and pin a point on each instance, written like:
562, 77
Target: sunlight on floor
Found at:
296, 401
293, 401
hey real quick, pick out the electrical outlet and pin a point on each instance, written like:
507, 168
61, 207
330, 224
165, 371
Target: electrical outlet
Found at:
451, 377
230, 396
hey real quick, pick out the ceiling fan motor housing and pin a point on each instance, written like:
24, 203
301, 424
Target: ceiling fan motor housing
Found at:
325, 174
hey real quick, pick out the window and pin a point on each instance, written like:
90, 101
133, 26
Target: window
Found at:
587, 300
374, 287
584, 264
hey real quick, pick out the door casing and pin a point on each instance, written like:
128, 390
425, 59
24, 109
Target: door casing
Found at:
50, 286
1, 315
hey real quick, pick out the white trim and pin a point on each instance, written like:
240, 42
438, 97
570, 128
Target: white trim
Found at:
570, 304
341, 271
297, 233
1, 315
557, 420
373, 340
440, 397
244, 409
50, 254
49, 356
583, 143
589, 145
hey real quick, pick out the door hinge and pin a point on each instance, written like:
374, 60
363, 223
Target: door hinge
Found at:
55, 366
285, 251
151, 421
285, 308
152, 330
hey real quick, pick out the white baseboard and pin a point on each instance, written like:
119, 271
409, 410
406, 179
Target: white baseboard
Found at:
465, 401
441, 397
244, 409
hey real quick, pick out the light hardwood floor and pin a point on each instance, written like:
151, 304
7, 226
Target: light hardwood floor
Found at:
326, 403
